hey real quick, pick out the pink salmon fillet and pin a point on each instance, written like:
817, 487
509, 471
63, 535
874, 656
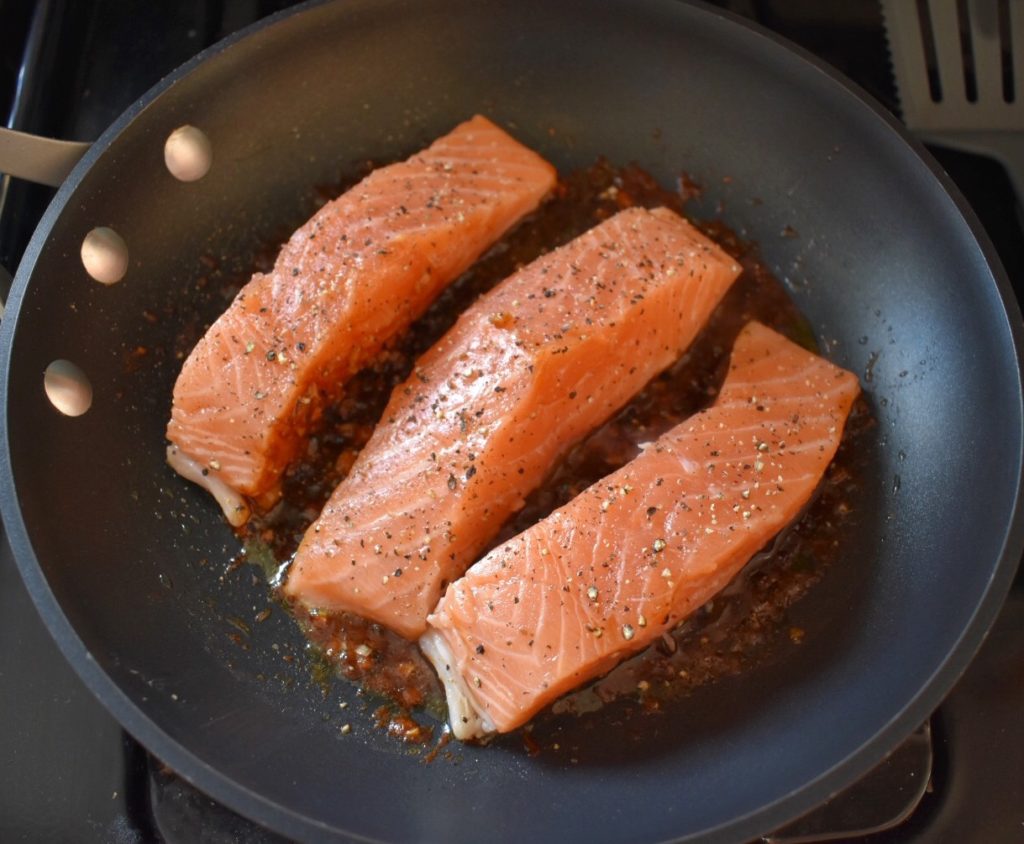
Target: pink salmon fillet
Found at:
526, 372
348, 281
629, 558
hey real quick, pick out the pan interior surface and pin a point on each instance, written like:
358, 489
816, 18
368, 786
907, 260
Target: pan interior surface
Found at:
130, 565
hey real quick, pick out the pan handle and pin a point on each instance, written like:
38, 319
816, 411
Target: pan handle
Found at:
42, 160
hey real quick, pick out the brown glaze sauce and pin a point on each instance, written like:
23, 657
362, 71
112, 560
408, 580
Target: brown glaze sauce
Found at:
738, 628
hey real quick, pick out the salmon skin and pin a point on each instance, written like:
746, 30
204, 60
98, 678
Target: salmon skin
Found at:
353, 277
629, 558
527, 371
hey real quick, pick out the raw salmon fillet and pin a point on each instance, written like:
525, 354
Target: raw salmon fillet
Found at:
354, 276
533, 366
630, 557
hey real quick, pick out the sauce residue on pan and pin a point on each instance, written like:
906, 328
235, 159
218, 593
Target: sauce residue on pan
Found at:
740, 627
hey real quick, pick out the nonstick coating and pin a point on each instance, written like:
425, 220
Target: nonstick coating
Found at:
127, 562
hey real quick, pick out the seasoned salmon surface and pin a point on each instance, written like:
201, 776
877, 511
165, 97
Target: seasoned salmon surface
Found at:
527, 371
630, 557
355, 275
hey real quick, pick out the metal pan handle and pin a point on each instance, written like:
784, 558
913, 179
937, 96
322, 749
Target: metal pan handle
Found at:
42, 160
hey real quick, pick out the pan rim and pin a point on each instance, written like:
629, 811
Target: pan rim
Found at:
284, 820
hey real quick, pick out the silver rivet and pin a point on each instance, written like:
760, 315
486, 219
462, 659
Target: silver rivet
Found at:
67, 388
105, 255
188, 154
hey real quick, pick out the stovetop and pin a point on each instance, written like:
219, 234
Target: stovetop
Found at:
68, 772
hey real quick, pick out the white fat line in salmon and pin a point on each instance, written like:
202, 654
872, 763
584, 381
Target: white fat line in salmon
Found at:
468, 721
236, 509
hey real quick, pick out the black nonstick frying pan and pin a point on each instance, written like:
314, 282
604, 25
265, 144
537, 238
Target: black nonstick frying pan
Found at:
129, 565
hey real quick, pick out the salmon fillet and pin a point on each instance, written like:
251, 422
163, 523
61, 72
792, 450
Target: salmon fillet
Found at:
630, 557
354, 276
527, 371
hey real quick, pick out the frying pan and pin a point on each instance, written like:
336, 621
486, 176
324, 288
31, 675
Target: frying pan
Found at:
128, 564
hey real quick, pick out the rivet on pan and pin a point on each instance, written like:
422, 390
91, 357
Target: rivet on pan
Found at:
67, 388
188, 154
105, 255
